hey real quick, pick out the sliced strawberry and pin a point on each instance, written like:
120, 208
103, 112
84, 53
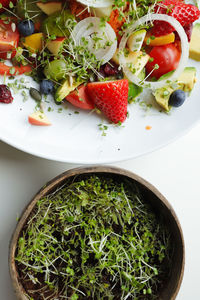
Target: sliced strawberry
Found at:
111, 98
79, 98
184, 13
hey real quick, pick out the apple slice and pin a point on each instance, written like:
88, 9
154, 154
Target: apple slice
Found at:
80, 99
50, 7
38, 118
102, 12
54, 46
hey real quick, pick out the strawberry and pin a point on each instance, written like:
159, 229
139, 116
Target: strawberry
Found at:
165, 6
184, 13
80, 99
111, 98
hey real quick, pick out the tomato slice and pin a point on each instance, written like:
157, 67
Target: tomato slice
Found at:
9, 39
166, 58
14, 70
79, 98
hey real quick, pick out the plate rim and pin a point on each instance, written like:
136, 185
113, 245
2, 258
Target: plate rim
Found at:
103, 161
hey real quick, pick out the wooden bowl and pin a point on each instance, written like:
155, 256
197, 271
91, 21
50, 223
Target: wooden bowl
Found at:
151, 194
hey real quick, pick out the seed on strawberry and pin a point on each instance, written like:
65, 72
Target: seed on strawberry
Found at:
111, 98
5, 94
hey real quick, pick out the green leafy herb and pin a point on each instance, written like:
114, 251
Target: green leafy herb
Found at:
93, 238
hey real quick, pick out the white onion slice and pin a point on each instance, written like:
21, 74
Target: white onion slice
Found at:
97, 3
184, 50
84, 30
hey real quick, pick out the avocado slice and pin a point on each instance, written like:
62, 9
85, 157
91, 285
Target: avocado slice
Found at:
187, 79
195, 43
162, 96
135, 90
65, 89
55, 24
185, 82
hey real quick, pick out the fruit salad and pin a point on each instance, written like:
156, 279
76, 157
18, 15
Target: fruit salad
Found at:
98, 54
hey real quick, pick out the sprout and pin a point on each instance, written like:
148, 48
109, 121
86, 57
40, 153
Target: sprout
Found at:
95, 238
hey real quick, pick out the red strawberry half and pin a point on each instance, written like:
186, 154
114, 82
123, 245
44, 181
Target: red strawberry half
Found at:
111, 98
184, 13
80, 99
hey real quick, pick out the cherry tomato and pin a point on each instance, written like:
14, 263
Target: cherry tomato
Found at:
166, 57
9, 39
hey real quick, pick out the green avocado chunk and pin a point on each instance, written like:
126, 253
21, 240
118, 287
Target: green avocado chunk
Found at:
55, 24
135, 90
64, 90
195, 43
27, 9
185, 82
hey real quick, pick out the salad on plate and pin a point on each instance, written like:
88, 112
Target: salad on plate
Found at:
99, 55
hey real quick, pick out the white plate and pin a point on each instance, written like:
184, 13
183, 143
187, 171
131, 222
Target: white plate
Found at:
76, 138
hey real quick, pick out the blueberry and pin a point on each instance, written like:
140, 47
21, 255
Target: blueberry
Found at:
26, 27
177, 98
46, 86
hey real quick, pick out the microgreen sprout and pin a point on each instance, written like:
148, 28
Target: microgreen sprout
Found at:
93, 238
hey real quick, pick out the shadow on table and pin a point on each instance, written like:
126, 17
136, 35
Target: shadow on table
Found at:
10, 153
6, 288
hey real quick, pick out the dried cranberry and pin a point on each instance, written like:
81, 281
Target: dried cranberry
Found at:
110, 69
101, 72
5, 94
188, 30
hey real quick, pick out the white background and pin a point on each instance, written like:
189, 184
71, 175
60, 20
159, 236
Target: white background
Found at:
174, 170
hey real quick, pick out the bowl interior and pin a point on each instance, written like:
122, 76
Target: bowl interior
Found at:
150, 194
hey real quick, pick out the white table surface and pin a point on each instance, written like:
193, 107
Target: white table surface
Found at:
174, 170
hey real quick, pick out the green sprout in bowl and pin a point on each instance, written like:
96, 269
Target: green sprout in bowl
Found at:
94, 238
